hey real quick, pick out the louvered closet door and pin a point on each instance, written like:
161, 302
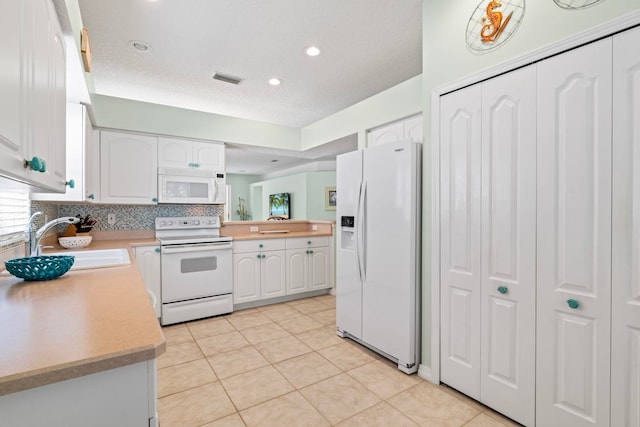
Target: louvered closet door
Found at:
460, 136
508, 297
625, 327
574, 238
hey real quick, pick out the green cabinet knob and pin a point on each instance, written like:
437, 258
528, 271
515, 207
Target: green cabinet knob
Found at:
196, 165
155, 199
258, 256
309, 242
573, 304
502, 289
71, 183
263, 256
310, 252
190, 164
36, 164
157, 250
307, 252
261, 245
91, 196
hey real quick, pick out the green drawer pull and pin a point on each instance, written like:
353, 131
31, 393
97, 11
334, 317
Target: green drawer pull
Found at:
258, 256
71, 183
36, 164
157, 250
91, 196
573, 304
261, 245
502, 289
310, 252
155, 199
263, 256
309, 242
190, 165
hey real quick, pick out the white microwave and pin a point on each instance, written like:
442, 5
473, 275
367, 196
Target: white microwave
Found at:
191, 186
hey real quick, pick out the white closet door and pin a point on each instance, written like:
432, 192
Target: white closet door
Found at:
508, 296
574, 238
460, 137
625, 328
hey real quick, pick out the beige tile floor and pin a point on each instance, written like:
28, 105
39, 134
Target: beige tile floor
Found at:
283, 365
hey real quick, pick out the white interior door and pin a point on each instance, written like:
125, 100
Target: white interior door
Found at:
625, 323
460, 138
574, 238
508, 297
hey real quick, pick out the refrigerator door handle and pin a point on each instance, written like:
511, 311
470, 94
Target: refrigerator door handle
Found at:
357, 233
362, 256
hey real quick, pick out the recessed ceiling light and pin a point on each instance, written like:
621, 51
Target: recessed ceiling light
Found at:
312, 51
139, 45
274, 81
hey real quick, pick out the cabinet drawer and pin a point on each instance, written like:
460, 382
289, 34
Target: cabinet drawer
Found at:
258, 245
307, 242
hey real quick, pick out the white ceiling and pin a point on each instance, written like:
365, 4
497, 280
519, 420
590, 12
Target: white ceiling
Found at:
367, 46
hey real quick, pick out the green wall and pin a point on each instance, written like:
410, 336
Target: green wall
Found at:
306, 191
240, 187
446, 59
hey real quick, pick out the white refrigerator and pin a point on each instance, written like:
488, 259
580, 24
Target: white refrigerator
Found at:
378, 250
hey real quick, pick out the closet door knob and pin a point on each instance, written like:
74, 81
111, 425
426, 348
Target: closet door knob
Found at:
573, 304
502, 289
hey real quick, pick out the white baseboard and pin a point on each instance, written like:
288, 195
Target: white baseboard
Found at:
425, 373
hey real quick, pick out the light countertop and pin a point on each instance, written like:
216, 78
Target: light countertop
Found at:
84, 322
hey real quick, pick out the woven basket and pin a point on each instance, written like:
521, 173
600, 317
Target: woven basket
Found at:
39, 267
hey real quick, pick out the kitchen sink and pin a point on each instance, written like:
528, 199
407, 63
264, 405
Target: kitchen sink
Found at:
98, 258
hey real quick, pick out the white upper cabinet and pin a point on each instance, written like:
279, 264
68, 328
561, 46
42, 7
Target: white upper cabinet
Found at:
79, 160
183, 153
13, 88
32, 124
128, 168
409, 129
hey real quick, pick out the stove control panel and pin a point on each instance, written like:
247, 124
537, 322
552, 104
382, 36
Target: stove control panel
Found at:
189, 222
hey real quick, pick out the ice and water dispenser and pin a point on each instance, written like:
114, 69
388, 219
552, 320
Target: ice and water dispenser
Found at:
348, 238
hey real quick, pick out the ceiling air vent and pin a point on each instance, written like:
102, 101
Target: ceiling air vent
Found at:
227, 78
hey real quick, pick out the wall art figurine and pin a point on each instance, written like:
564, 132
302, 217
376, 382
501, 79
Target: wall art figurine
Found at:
493, 23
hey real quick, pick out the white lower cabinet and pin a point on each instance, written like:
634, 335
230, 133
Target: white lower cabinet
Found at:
270, 268
124, 396
539, 225
148, 260
308, 264
258, 270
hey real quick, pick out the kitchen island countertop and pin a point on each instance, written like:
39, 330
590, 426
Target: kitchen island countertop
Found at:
84, 322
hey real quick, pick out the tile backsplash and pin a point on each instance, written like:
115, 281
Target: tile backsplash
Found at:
127, 217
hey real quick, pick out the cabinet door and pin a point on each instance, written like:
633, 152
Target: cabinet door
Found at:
209, 156
12, 87
148, 260
460, 137
508, 296
574, 238
625, 322
272, 274
40, 120
297, 270
246, 277
58, 105
128, 168
319, 268
174, 153
393, 132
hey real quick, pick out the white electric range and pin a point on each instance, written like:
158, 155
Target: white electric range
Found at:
196, 265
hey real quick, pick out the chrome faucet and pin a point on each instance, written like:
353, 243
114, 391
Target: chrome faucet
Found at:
32, 237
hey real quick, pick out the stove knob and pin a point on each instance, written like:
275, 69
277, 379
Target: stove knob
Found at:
196, 222
169, 222
163, 223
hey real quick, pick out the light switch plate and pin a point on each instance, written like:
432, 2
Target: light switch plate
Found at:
314, 227
253, 228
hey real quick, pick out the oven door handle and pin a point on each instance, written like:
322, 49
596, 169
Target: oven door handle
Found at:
195, 247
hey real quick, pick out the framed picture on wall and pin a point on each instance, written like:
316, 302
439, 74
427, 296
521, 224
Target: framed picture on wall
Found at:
330, 198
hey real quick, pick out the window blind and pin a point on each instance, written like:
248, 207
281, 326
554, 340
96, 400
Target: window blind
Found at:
14, 213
